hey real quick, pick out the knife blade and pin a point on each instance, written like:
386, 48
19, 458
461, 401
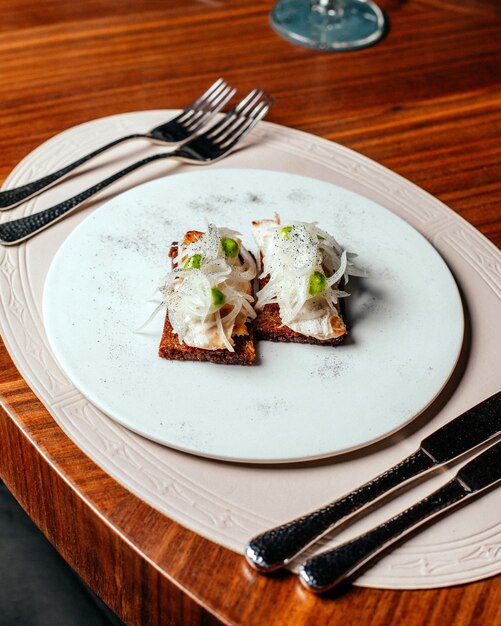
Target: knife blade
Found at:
278, 546
324, 571
475, 426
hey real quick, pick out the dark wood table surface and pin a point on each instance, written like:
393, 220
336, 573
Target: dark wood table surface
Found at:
425, 102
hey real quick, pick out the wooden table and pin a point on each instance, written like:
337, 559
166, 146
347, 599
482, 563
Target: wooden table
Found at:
425, 102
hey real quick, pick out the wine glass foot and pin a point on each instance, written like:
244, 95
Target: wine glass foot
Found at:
357, 24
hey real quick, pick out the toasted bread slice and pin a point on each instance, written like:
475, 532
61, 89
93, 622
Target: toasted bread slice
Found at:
268, 325
171, 348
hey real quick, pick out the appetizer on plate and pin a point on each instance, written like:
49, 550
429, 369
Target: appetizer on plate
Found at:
209, 299
302, 268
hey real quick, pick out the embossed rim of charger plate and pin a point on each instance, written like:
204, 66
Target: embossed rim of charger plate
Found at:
152, 472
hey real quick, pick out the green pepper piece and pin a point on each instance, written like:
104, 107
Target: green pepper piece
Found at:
218, 297
285, 231
230, 246
194, 262
317, 283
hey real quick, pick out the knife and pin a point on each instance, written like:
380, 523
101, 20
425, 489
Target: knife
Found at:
276, 547
325, 570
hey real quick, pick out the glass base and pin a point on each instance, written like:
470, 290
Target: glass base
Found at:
360, 24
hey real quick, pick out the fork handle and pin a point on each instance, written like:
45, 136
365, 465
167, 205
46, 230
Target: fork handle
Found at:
276, 547
15, 231
11, 198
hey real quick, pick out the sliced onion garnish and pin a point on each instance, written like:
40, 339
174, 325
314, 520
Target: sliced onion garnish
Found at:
228, 232
157, 309
339, 273
312, 309
187, 293
209, 244
232, 315
353, 270
222, 334
251, 314
292, 252
247, 270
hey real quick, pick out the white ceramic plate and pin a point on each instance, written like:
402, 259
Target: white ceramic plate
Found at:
298, 402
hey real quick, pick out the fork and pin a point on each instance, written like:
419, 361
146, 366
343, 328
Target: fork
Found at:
202, 149
182, 127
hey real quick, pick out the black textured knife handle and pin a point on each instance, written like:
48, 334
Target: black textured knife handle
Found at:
326, 570
10, 198
276, 547
16, 231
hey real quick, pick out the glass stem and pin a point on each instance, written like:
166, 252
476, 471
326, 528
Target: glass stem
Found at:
331, 8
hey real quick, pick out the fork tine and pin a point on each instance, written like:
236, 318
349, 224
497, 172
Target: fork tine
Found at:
215, 94
239, 128
260, 94
248, 97
216, 86
221, 127
209, 115
246, 125
228, 146
243, 115
210, 107
228, 118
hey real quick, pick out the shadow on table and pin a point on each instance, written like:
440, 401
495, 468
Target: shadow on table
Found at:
37, 586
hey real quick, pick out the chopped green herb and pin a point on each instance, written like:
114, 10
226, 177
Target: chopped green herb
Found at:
285, 231
194, 262
317, 283
218, 297
230, 246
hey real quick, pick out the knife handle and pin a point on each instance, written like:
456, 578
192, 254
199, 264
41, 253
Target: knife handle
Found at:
276, 547
324, 571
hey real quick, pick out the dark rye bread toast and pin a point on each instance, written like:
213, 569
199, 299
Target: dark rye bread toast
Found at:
171, 348
268, 325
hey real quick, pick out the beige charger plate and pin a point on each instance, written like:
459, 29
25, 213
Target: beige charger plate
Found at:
227, 503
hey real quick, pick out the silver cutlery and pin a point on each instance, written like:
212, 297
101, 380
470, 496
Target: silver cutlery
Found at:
194, 117
324, 571
276, 547
202, 149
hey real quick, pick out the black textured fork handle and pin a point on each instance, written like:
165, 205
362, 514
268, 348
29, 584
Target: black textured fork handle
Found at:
16, 231
10, 198
276, 547
326, 570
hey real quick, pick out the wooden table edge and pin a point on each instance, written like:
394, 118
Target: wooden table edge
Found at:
43, 472
97, 526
